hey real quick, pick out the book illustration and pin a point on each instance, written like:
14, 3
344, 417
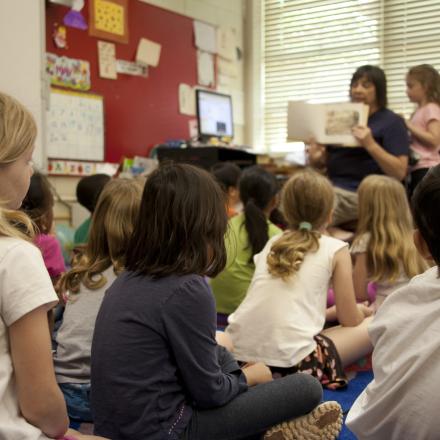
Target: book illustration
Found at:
341, 121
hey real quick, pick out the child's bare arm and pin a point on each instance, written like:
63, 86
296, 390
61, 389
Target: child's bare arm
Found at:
348, 313
40, 399
360, 277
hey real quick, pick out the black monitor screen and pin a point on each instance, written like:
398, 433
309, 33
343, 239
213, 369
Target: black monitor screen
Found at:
214, 114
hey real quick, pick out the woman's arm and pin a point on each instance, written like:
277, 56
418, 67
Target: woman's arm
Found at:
40, 399
360, 277
348, 312
430, 137
393, 166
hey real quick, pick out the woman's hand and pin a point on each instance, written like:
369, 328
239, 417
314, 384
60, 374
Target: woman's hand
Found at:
364, 136
316, 154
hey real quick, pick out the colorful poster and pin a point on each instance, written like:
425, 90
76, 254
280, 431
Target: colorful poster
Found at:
109, 20
68, 72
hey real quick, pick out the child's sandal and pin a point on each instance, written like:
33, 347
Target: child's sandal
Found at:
323, 423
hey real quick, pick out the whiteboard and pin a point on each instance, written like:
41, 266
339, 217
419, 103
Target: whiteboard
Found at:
75, 126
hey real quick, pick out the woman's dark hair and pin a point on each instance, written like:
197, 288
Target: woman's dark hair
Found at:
227, 174
257, 189
89, 188
38, 203
181, 225
375, 75
425, 206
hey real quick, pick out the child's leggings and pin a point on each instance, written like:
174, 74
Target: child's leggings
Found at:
251, 413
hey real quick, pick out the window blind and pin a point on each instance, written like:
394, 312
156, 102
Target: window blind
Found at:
411, 37
312, 47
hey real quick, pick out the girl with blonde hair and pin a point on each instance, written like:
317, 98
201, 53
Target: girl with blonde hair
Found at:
31, 404
383, 248
86, 283
280, 322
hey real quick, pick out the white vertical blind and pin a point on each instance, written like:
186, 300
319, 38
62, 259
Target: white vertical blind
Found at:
412, 37
312, 47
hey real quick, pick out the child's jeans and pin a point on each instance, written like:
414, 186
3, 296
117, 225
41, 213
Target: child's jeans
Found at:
77, 397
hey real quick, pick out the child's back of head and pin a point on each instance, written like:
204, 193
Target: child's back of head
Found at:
89, 188
112, 225
425, 206
228, 175
307, 203
38, 203
385, 215
258, 190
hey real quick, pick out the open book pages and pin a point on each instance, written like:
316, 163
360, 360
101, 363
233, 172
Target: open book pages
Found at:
326, 123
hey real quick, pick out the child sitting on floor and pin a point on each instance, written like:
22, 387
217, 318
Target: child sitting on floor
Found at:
86, 283
157, 371
280, 321
38, 205
383, 249
31, 404
228, 175
248, 233
402, 400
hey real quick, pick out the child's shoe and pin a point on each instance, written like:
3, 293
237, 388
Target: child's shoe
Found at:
323, 423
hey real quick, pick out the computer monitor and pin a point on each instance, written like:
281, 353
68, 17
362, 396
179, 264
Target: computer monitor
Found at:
214, 114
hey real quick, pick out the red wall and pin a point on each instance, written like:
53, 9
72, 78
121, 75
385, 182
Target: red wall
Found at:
139, 112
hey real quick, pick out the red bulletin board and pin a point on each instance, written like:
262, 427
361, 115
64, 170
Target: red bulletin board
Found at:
139, 112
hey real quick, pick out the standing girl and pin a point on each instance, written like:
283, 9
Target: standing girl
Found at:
157, 371
383, 247
423, 88
111, 228
31, 404
280, 322
248, 233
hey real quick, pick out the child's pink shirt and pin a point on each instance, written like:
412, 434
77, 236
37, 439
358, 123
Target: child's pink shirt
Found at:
52, 255
429, 156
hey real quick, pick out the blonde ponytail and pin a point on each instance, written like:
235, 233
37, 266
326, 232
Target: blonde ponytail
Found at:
288, 252
307, 201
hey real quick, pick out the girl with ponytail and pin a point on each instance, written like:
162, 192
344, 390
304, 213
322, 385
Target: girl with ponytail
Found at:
247, 235
280, 322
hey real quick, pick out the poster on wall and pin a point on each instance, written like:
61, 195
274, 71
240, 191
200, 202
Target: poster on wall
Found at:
75, 126
109, 20
68, 72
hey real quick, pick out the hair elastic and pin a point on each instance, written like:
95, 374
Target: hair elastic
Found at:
305, 225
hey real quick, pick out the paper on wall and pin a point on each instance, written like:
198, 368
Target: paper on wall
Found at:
187, 100
205, 68
129, 68
148, 53
205, 37
107, 60
227, 43
227, 68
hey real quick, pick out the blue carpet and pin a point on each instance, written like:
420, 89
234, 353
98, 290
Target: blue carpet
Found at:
347, 396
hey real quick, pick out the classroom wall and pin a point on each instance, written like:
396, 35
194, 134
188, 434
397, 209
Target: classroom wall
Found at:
140, 112
21, 51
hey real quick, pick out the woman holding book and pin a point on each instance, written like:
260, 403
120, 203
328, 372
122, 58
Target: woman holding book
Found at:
384, 144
